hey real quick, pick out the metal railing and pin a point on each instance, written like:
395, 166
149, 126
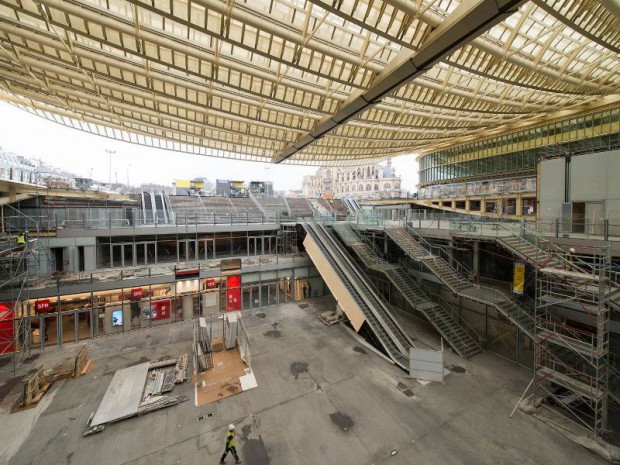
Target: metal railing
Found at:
531, 236
477, 292
463, 270
24, 222
601, 229
251, 263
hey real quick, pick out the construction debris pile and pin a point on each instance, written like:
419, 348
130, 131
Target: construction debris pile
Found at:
138, 390
36, 385
164, 374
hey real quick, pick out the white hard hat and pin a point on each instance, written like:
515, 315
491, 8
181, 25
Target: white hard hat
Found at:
572, 250
231, 427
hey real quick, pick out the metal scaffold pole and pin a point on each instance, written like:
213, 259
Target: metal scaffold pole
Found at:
21, 257
571, 372
288, 239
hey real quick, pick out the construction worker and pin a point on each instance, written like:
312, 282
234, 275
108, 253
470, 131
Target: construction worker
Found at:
21, 241
230, 445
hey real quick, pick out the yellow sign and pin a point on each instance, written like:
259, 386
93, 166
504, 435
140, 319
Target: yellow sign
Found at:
519, 278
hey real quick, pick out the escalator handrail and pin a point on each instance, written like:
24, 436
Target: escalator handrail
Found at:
366, 289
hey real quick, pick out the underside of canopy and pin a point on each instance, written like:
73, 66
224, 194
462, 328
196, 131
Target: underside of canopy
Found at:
306, 81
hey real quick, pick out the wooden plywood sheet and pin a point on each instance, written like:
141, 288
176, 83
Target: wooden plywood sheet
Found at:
214, 392
222, 380
123, 395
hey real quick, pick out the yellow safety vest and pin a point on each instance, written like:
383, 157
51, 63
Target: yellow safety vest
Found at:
21, 239
230, 439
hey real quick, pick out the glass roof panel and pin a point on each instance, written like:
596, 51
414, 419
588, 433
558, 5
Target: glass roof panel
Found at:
242, 79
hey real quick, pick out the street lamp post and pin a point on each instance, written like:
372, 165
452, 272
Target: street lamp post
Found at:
128, 166
110, 153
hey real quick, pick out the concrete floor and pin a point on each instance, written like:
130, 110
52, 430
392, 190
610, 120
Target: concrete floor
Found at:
323, 397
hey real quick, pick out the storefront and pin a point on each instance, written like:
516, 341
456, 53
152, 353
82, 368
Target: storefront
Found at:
59, 319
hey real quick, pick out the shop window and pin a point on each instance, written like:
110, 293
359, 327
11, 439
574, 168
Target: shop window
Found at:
528, 206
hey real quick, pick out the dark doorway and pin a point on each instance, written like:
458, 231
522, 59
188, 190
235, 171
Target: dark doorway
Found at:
579, 217
81, 258
58, 258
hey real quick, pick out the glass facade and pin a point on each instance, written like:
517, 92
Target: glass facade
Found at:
60, 319
498, 186
518, 153
128, 251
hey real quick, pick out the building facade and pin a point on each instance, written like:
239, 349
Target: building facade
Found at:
498, 175
371, 181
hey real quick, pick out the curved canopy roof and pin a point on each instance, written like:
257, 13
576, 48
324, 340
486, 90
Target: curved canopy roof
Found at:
305, 81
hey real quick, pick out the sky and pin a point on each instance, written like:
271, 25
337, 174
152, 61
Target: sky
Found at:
85, 155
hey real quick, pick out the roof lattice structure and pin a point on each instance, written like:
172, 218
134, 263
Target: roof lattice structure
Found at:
305, 81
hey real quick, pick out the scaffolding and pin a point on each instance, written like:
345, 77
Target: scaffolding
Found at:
572, 359
287, 239
20, 266
14, 343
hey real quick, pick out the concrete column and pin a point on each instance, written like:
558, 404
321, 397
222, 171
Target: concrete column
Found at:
476, 261
385, 244
451, 249
519, 205
188, 307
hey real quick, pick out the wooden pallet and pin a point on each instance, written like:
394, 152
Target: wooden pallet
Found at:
81, 360
34, 388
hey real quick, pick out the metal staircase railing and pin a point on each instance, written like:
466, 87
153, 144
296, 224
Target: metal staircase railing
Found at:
458, 339
458, 284
362, 248
436, 314
545, 255
257, 203
465, 272
288, 207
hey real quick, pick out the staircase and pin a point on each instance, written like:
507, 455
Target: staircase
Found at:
530, 253
437, 265
257, 203
521, 318
288, 207
439, 317
554, 259
462, 343
362, 249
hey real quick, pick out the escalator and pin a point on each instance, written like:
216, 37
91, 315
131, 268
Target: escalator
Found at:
387, 331
147, 207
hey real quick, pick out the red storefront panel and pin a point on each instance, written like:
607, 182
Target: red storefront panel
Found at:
7, 334
160, 310
137, 294
42, 306
233, 293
